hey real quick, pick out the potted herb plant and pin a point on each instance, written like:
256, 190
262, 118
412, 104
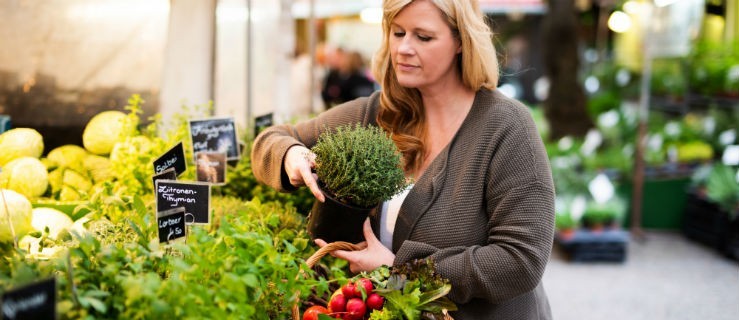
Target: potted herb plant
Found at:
358, 168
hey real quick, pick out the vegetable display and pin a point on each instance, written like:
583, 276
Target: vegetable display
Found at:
106, 256
410, 291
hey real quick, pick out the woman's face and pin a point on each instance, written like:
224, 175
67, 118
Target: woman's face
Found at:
423, 49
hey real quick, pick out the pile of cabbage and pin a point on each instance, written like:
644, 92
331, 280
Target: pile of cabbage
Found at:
67, 173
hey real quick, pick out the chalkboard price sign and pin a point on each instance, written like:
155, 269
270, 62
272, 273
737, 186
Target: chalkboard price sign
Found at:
171, 224
168, 174
34, 301
215, 135
263, 122
193, 196
174, 158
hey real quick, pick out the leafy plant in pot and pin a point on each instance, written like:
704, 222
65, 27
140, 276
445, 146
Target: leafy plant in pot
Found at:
358, 168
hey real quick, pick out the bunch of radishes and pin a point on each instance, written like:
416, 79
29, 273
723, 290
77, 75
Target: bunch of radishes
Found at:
353, 301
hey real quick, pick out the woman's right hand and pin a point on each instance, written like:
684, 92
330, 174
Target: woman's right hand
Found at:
299, 161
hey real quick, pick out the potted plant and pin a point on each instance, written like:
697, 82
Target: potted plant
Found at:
565, 225
600, 216
358, 168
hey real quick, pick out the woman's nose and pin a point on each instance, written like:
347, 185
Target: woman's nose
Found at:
405, 46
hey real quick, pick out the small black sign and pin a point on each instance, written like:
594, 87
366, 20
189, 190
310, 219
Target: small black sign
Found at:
174, 158
168, 174
4, 123
193, 196
34, 301
262, 122
171, 224
215, 134
211, 167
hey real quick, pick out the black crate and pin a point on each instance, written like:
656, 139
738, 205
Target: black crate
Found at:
705, 222
601, 246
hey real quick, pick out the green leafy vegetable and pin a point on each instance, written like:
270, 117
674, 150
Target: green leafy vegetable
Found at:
411, 290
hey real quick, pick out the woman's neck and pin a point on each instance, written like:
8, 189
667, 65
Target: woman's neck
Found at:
447, 107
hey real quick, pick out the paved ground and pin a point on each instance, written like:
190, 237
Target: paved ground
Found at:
666, 276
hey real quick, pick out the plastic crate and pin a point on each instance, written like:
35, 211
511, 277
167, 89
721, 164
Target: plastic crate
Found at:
603, 246
705, 222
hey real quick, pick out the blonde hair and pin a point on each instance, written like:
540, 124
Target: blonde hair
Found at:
401, 109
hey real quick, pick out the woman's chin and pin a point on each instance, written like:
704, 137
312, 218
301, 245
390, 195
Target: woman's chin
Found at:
408, 83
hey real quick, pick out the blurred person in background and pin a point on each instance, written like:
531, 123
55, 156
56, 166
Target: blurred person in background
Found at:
346, 79
331, 89
355, 83
481, 205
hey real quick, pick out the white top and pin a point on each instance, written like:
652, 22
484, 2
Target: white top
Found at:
388, 216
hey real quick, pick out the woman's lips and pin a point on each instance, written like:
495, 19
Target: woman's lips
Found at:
406, 67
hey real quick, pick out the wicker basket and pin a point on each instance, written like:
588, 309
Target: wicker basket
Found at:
331, 247
313, 259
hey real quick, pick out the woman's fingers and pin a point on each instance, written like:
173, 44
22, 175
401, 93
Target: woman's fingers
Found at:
299, 162
310, 180
369, 235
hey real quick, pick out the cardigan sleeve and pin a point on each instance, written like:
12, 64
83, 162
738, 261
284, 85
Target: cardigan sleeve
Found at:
518, 208
271, 145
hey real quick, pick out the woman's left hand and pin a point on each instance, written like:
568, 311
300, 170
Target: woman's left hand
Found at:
373, 255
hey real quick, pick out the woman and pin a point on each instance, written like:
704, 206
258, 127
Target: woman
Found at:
482, 203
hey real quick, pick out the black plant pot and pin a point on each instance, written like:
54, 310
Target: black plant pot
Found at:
333, 220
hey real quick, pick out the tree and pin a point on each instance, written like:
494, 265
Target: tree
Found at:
565, 107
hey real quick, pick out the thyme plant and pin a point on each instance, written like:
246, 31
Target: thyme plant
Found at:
359, 165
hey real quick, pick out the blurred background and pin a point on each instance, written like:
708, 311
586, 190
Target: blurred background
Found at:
637, 102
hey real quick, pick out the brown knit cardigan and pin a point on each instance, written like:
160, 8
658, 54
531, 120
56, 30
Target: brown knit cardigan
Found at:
483, 210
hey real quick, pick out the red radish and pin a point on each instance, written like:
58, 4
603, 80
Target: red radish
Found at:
355, 309
366, 284
313, 312
350, 291
337, 303
375, 301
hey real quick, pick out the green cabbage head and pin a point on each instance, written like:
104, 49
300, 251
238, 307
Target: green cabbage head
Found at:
106, 129
20, 142
26, 175
16, 208
51, 218
68, 156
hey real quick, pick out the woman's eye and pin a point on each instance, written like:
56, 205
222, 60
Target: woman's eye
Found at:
424, 38
399, 34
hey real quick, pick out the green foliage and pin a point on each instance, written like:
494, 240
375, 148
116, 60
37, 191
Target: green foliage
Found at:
668, 78
247, 267
564, 221
132, 159
603, 213
359, 165
722, 187
412, 290
711, 69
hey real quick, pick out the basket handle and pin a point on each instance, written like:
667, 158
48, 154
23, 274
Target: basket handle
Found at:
331, 247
